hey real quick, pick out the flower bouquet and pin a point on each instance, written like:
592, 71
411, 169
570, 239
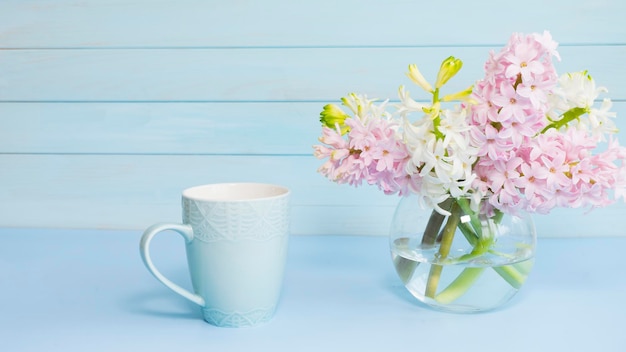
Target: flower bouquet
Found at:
520, 140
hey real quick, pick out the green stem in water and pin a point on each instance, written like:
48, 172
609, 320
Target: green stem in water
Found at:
515, 274
469, 234
444, 250
404, 267
460, 285
434, 224
510, 275
481, 235
474, 219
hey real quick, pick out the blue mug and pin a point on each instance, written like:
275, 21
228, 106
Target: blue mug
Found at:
236, 238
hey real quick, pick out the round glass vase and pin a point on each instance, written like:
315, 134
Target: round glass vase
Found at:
467, 261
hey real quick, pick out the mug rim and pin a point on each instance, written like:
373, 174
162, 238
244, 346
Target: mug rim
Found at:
278, 192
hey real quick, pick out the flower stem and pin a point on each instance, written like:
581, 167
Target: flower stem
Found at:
515, 274
568, 116
475, 220
434, 224
444, 250
404, 267
460, 285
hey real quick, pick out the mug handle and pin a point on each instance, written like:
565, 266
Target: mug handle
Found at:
144, 249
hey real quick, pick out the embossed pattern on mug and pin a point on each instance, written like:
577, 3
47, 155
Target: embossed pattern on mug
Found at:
238, 319
256, 221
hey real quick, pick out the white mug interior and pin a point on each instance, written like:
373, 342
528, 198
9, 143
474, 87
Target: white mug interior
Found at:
233, 192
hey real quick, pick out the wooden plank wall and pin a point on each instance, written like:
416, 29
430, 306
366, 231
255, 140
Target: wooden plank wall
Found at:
108, 109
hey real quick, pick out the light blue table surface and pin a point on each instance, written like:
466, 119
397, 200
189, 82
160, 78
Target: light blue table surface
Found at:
81, 290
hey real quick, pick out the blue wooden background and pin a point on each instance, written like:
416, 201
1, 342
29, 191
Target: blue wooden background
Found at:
108, 109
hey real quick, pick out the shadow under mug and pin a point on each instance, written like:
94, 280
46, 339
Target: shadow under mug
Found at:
236, 238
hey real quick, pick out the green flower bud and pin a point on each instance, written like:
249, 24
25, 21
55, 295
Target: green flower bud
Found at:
449, 68
332, 115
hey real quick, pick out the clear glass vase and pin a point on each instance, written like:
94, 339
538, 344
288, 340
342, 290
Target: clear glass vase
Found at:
469, 261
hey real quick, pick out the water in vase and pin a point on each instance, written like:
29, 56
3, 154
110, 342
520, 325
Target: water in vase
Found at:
479, 284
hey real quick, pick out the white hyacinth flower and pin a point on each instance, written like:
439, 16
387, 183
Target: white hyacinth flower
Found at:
444, 164
578, 92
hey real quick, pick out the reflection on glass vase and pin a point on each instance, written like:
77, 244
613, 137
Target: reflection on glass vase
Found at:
474, 259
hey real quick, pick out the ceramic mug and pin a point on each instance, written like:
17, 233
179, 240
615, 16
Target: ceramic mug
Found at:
236, 238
